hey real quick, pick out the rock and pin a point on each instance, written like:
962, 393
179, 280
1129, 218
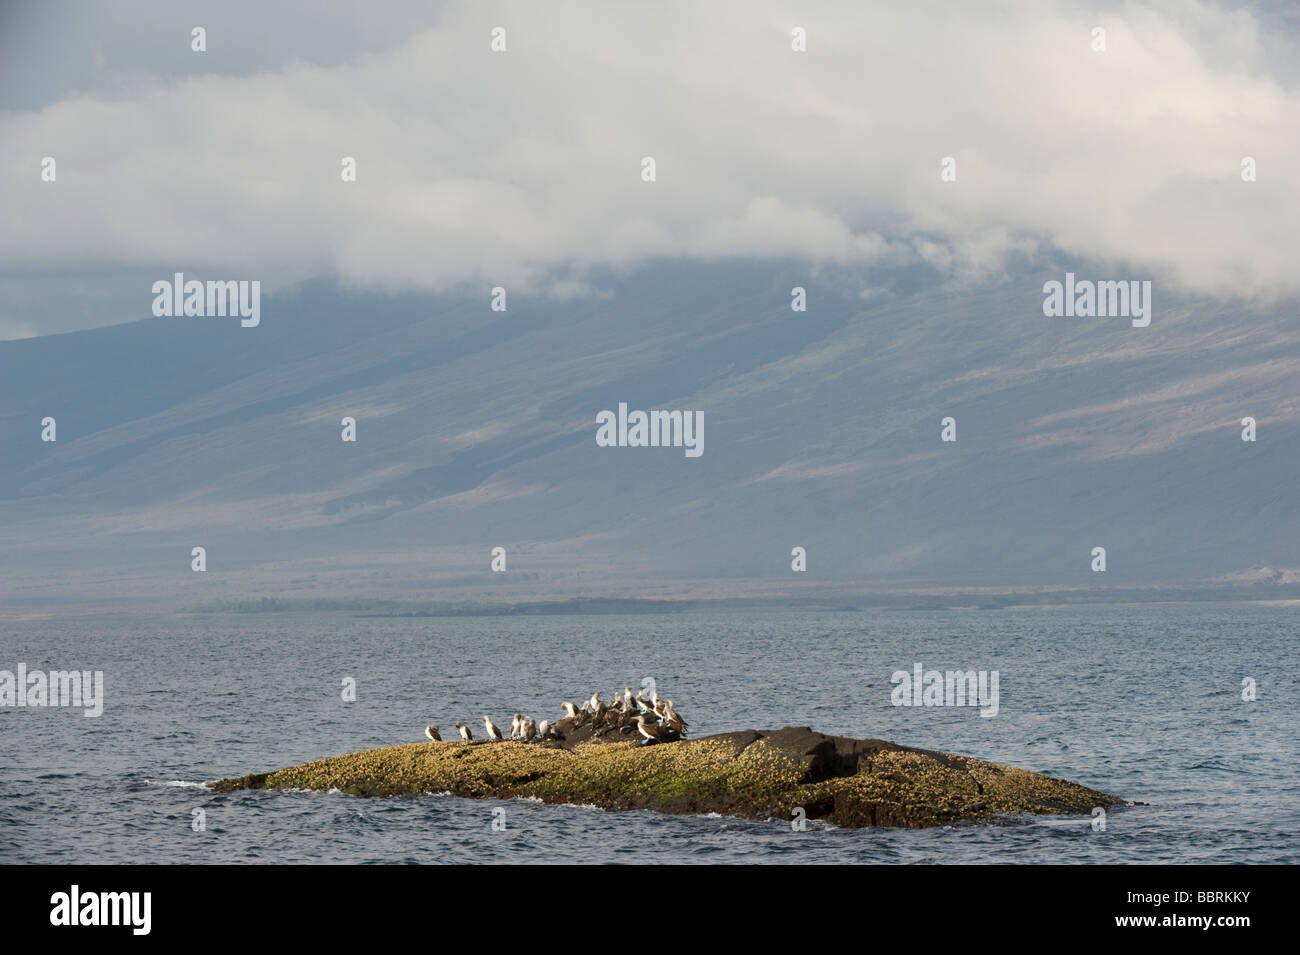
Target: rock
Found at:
755, 773
566, 735
251, 781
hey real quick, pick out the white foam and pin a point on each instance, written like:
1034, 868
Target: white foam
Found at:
182, 783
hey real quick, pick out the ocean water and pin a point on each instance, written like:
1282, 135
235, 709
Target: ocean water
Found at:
1142, 702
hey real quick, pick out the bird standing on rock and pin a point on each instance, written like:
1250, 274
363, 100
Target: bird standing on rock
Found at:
649, 730
599, 713
653, 719
579, 716
626, 719
672, 718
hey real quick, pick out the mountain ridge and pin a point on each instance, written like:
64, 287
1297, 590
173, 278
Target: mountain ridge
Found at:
477, 429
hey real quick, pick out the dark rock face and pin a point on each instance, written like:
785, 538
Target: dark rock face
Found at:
251, 781
566, 735
826, 756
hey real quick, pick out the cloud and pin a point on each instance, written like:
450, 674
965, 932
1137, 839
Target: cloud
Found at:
9, 330
793, 472
523, 168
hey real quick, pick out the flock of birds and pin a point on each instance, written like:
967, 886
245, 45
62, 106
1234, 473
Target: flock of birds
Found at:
654, 719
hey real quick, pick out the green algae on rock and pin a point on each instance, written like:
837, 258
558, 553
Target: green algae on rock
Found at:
758, 774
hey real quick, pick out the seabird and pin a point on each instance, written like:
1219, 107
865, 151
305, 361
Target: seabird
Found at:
562, 728
594, 701
492, 731
649, 730
627, 698
626, 719
529, 730
543, 728
516, 725
579, 716
432, 733
465, 734
570, 710
672, 718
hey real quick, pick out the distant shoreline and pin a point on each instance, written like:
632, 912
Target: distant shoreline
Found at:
636, 606
363, 608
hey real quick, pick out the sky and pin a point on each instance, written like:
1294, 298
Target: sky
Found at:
920, 170
523, 168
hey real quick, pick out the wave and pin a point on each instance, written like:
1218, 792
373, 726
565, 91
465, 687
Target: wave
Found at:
182, 783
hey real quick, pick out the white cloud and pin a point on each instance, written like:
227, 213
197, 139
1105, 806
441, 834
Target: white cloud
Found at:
523, 168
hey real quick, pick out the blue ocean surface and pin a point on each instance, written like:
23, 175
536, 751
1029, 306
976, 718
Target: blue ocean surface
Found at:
1143, 702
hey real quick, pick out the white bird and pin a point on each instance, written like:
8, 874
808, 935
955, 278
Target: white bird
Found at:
594, 702
432, 732
492, 731
543, 728
627, 699
516, 725
465, 734
570, 710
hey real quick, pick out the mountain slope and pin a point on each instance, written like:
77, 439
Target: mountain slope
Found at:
821, 429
